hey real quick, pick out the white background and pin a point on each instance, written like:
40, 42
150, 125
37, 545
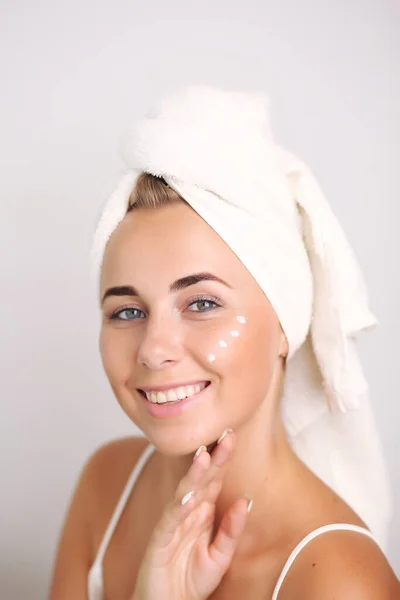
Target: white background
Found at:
73, 75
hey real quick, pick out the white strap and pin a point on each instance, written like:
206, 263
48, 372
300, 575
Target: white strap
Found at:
308, 538
95, 585
122, 501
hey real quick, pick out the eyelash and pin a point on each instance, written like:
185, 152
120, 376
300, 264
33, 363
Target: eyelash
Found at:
195, 300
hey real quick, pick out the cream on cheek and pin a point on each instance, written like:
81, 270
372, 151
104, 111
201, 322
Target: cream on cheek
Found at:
237, 361
218, 349
242, 354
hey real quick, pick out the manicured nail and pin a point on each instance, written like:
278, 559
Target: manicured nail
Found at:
221, 437
187, 497
199, 451
250, 501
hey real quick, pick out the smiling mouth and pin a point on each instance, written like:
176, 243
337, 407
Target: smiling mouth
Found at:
175, 395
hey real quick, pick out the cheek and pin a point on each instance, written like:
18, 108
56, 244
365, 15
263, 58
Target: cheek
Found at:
217, 342
241, 354
114, 354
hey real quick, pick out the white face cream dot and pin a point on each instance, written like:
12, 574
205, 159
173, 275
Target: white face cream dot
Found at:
211, 358
234, 333
241, 319
223, 344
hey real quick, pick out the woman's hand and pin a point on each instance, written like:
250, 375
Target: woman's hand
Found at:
186, 559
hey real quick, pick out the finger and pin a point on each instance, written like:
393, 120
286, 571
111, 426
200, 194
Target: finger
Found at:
227, 538
186, 498
195, 477
195, 486
220, 457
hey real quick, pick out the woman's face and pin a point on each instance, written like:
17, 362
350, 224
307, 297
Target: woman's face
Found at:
169, 326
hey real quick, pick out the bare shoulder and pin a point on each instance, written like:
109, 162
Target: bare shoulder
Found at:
112, 462
341, 564
98, 487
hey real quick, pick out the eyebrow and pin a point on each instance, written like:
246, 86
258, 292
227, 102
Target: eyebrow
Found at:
176, 286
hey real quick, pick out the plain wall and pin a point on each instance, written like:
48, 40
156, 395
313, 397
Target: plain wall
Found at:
74, 75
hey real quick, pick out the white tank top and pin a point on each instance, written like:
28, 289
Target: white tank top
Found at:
95, 577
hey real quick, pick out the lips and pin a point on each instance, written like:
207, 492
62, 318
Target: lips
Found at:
170, 386
175, 394
177, 408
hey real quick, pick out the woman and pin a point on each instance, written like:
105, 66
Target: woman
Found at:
229, 301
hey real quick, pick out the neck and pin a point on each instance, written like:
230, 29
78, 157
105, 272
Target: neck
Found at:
263, 468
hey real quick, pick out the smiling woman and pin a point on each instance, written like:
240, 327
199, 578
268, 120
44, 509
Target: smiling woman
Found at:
161, 333
227, 333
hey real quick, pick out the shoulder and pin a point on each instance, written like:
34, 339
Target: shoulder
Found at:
105, 474
341, 564
112, 460
98, 486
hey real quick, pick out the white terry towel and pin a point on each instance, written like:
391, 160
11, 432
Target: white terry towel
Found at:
217, 150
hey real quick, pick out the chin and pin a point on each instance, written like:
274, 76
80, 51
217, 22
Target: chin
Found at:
170, 445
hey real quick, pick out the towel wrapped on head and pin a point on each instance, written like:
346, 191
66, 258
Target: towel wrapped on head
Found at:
217, 150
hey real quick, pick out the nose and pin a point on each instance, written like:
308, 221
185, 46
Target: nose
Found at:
161, 344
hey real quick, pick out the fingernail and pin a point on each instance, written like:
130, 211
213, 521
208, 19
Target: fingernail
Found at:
250, 501
199, 451
187, 497
221, 437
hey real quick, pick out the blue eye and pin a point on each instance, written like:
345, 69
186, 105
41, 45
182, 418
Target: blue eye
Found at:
203, 303
211, 304
117, 314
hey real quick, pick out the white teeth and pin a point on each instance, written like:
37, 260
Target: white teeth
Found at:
171, 396
161, 397
175, 395
180, 392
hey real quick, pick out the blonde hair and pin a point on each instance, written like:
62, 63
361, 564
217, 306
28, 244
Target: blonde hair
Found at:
151, 192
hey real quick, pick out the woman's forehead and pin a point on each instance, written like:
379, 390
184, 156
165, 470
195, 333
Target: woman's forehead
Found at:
171, 238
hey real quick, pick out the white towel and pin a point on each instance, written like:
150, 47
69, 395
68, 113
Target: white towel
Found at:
217, 150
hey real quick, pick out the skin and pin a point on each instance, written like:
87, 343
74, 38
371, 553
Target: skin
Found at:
185, 559
164, 338
171, 343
